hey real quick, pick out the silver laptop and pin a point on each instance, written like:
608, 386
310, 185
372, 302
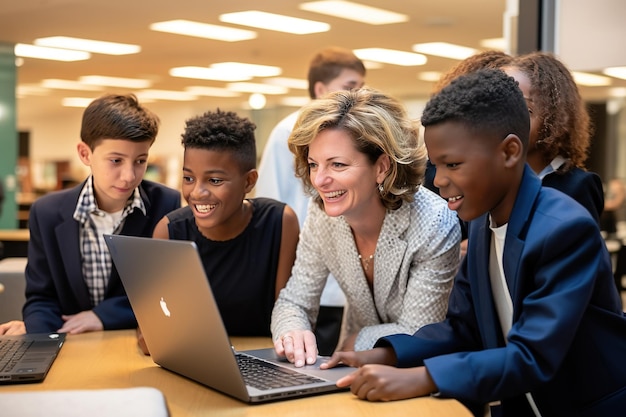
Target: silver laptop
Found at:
29, 357
172, 300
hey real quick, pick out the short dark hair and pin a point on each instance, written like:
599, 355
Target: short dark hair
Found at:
115, 116
223, 131
328, 63
487, 100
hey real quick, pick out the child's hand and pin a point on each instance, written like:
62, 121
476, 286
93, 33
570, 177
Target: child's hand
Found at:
85, 321
387, 383
13, 328
385, 356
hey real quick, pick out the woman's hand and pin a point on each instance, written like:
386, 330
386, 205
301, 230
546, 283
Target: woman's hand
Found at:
298, 346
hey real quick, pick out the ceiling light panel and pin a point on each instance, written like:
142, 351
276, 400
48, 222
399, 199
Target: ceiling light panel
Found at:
445, 50
200, 90
166, 95
354, 11
616, 72
295, 83
203, 30
206, 73
88, 45
68, 85
275, 22
76, 102
250, 70
103, 80
590, 80
391, 56
55, 54
257, 88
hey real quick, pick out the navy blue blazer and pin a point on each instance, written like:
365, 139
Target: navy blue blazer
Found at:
567, 344
54, 278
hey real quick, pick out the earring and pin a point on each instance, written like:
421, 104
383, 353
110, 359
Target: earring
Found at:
381, 189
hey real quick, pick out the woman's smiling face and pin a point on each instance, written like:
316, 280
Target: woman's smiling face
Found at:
345, 178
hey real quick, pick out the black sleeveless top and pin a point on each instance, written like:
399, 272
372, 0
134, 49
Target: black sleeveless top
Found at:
241, 271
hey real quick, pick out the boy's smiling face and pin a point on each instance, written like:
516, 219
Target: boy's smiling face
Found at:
474, 173
214, 186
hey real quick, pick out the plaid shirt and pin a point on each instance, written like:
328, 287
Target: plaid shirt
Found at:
94, 223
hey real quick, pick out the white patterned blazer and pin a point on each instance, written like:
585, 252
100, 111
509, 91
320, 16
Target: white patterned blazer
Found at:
417, 256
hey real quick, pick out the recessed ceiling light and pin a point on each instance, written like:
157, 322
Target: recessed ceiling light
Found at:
294, 101
166, 95
429, 76
88, 45
252, 70
115, 81
499, 44
617, 72
76, 102
295, 83
200, 90
445, 50
590, 80
68, 85
257, 88
31, 90
203, 30
206, 73
390, 56
354, 11
55, 54
617, 92
276, 22
257, 101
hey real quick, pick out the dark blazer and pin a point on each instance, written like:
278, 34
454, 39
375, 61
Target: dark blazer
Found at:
583, 186
567, 343
54, 277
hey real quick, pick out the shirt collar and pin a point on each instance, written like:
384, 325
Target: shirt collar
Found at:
87, 203
553, 166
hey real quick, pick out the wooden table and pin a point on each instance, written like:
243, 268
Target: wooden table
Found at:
111, 359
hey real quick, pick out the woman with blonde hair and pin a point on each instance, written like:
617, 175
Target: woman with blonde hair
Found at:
392, 245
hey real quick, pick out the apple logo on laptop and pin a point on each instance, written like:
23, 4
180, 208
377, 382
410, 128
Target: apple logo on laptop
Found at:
166, 311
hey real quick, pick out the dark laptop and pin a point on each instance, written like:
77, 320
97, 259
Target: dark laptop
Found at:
172, 300
28, 358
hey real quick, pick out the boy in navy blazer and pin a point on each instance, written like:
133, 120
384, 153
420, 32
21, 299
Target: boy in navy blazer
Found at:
71, 284
534, 324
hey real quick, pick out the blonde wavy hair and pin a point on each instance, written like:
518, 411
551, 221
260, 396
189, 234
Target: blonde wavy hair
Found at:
378, 124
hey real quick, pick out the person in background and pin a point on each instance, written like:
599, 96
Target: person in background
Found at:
71, 284
392, 245
534, 323
481, 60
560, 130
331, 69
247, 246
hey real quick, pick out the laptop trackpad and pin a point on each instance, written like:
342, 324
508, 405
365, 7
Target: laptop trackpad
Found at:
333, 374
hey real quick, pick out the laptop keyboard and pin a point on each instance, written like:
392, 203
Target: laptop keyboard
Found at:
11, 351
265, 375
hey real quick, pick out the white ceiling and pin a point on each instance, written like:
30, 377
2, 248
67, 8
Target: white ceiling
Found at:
457, 21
